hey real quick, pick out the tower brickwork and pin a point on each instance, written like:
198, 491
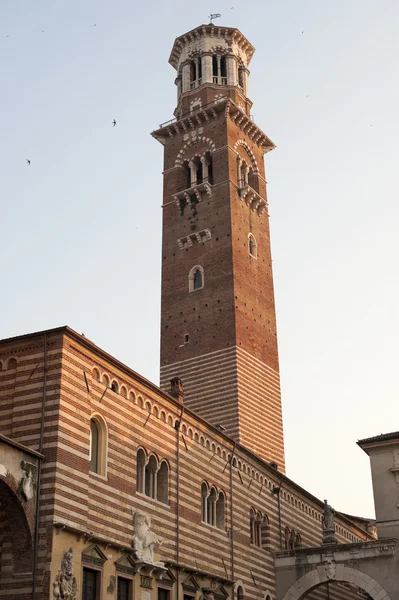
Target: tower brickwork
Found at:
218, 324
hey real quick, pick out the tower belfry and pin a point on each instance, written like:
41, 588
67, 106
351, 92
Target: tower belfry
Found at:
218, 323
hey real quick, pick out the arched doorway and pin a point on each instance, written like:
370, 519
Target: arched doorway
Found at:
315, 582
16, 540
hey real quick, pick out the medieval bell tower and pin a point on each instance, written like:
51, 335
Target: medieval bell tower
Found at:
218, 322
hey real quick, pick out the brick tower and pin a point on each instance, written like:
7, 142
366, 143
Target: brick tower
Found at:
218, 322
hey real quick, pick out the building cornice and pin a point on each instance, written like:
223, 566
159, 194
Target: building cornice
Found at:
231, 34
19, 446
205, 114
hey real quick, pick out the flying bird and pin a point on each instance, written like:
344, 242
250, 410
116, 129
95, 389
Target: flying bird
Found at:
113, 123
28, 161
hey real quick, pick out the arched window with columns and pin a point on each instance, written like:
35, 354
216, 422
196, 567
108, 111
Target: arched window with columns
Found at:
152, 477
195, 72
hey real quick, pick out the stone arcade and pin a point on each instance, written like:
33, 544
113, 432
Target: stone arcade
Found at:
114, 488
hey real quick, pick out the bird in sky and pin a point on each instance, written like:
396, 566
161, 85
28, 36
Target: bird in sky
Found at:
28, 161
113, 123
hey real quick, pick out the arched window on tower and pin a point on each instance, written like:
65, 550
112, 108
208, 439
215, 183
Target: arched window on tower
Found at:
223, 70
219, 69
196, 279
240, 593
241, 77
252, 246
195, 73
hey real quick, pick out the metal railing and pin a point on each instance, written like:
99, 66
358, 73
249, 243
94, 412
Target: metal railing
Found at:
171, 121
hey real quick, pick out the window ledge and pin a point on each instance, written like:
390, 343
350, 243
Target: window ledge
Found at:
153, 500
259, 547
98, 476
223, 530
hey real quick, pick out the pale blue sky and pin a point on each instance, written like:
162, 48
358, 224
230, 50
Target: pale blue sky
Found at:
81, 227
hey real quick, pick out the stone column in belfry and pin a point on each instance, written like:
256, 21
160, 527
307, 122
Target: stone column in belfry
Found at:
218, 321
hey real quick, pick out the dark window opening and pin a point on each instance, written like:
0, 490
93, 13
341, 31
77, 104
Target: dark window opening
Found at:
90, 585
241, 78
223, 68
197, 279
124, 589
94, 437
163, 594
193, 71
214, 65
186, 338
199, 172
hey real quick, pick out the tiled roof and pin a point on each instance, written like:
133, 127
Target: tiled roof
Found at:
380, 438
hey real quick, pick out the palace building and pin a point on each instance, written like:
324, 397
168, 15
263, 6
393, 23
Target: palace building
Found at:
114, 488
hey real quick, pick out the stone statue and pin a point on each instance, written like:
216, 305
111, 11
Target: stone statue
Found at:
64, 586
328, 525
27, 485
145, 542
328, 517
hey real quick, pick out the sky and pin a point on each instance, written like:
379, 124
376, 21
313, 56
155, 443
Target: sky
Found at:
80, 235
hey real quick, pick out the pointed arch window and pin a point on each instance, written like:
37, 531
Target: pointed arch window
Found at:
196, 279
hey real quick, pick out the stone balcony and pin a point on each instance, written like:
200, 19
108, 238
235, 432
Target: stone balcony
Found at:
198, 192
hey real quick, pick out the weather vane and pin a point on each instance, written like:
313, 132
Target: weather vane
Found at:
213, 16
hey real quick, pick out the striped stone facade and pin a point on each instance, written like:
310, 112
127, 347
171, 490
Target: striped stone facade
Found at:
237, 391
92, 513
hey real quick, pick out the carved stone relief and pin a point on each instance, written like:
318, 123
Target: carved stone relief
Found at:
64, 586
330, 567
145, 541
